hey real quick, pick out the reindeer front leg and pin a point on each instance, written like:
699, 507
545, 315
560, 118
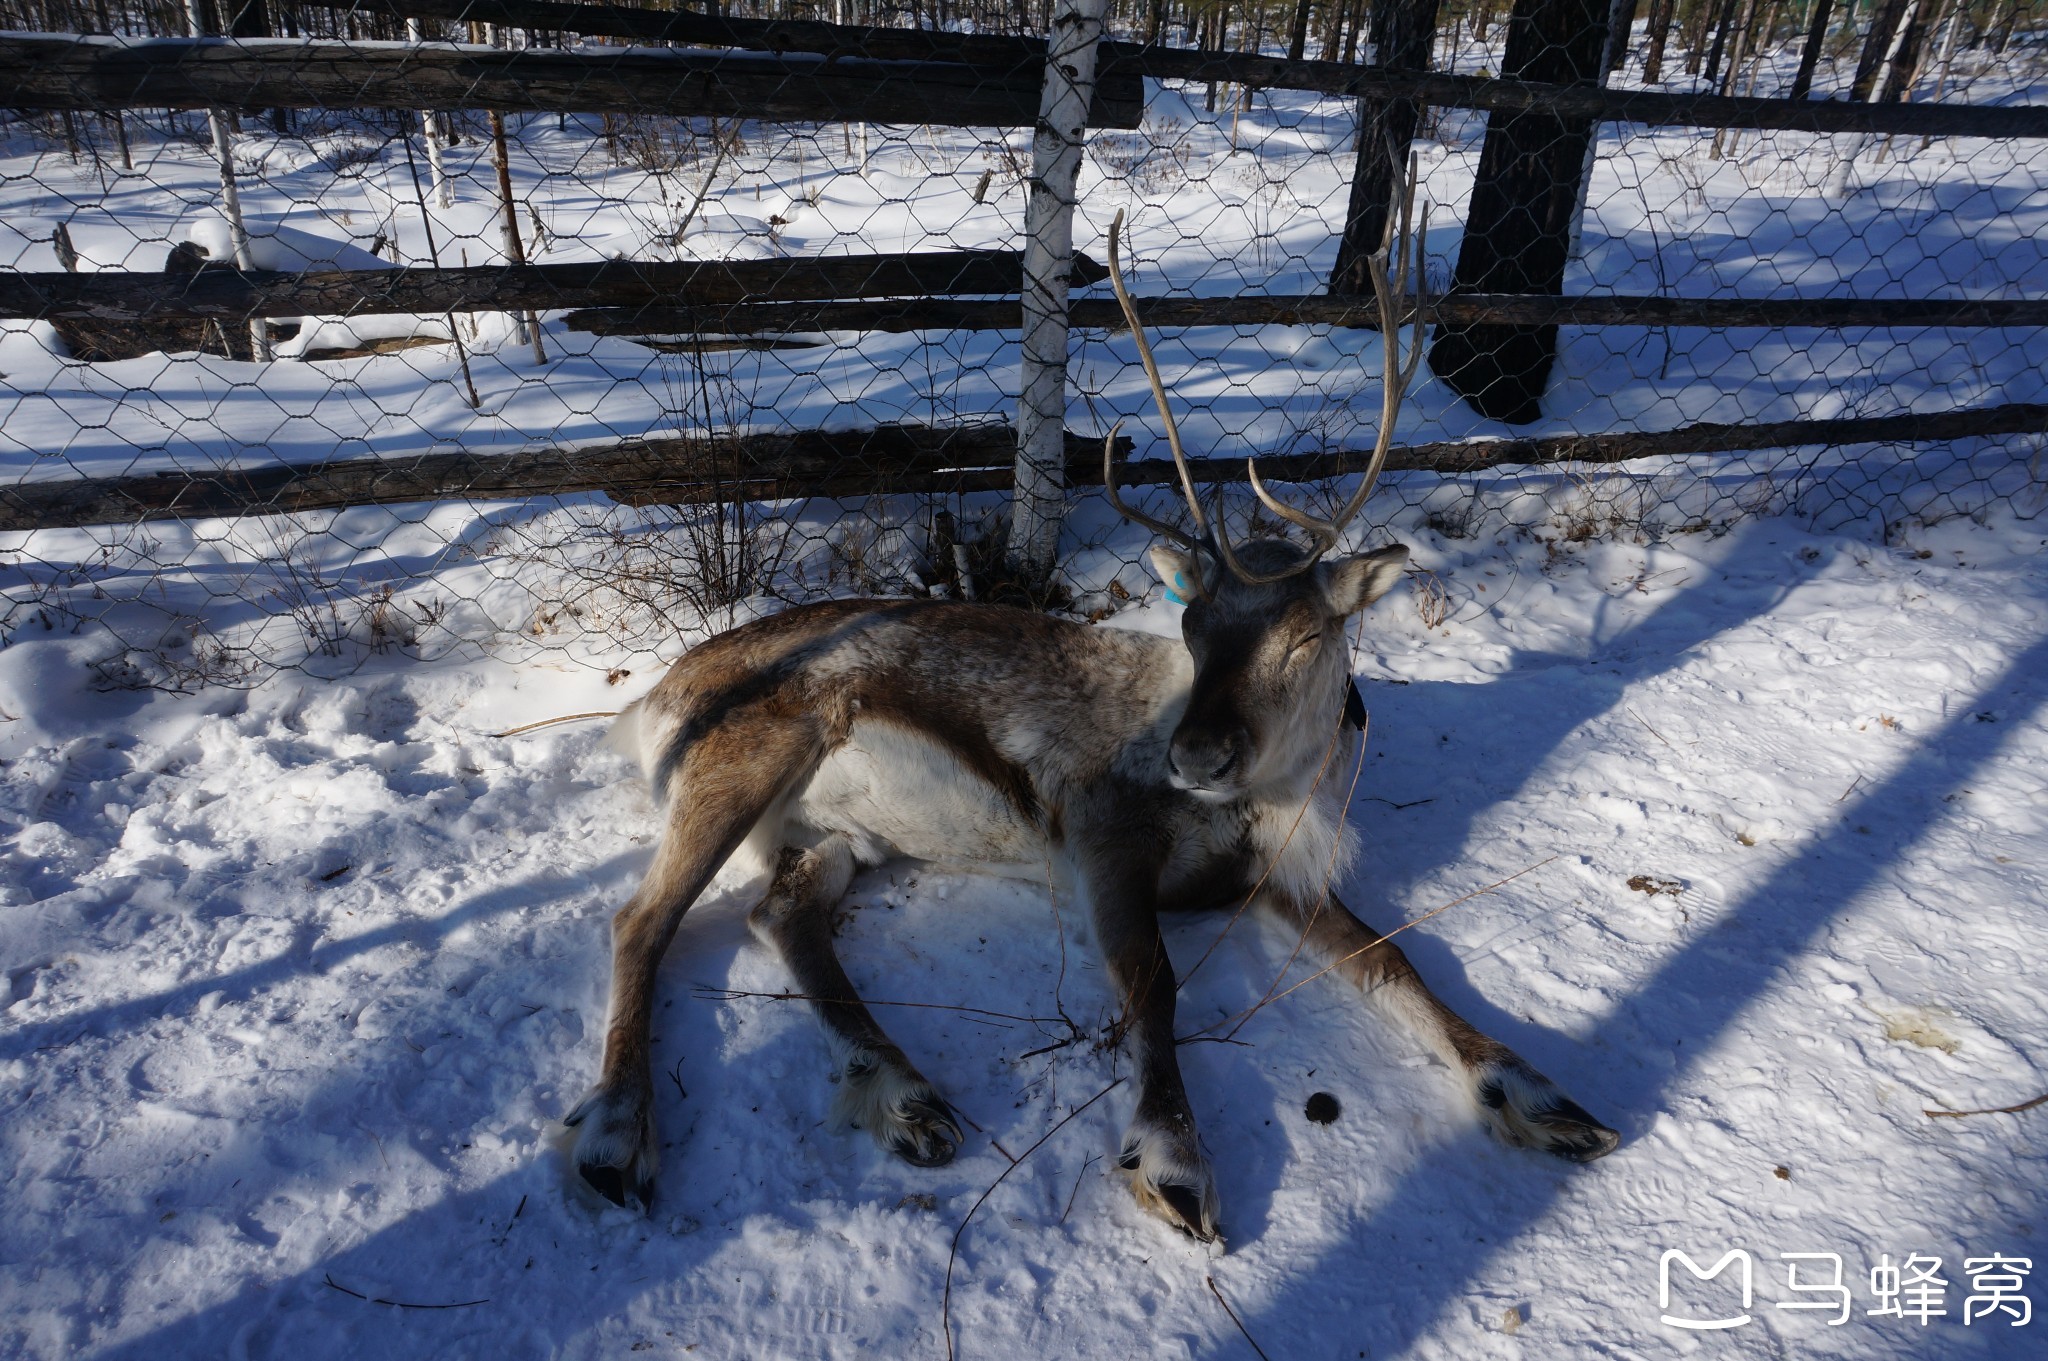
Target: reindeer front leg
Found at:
1161, 1152
1521, 1107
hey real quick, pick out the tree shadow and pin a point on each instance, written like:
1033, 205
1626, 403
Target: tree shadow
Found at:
238, 985
1692, 999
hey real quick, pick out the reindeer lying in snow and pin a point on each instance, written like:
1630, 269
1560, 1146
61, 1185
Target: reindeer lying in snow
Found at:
847, 733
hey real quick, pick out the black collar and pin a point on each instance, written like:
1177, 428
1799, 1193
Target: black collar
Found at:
1354, 706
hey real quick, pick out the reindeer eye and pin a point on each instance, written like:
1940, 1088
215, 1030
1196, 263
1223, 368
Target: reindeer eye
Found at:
1303, 646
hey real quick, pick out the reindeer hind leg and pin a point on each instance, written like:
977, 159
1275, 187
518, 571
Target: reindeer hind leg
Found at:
880, 1090
722, 785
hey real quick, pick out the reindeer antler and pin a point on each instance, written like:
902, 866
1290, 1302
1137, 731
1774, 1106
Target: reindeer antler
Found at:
1408, 241
1198, 540
1405, 238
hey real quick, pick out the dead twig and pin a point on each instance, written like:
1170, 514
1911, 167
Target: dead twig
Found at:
550, 722
1235, 1319
994, 1142
1653, 732
1851, 789
1093, 1159
2040, 1100
1056, 1045
734, 994
953, 1252
1238, 1021
333, 1284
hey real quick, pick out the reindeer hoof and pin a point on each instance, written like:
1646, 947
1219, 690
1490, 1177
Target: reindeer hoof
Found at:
1525, 1109
614, 1148
922, 1132
881, 1093
1172, 1180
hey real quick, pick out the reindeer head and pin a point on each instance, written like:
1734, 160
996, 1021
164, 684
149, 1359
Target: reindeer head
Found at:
1271, 667
1265, 621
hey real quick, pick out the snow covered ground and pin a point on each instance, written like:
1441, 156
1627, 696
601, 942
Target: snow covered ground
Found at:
303, 975
1732, 768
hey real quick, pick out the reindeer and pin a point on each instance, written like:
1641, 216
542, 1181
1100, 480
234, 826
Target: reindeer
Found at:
1158, 775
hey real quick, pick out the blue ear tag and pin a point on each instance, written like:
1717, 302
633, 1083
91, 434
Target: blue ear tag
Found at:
1181, 582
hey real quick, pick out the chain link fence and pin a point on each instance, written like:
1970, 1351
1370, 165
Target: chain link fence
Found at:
590, 384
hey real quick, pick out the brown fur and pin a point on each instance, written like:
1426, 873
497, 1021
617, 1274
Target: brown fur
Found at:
1162, 776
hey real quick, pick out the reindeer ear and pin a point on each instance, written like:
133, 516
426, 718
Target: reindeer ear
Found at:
1353, 583
1180, 570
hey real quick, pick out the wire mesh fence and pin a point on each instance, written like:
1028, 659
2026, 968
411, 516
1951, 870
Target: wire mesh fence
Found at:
605, 345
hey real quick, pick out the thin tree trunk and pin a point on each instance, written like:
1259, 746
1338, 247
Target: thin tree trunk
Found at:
1879, 47
1735, 56
1809, 57
1297, 40
515, 249
1659, 35
1723, 23
221, 123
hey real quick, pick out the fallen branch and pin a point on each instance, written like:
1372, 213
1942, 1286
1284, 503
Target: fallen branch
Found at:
953, 1251
333, 1284
1238, 1022
2042, 1099
550, 722
1235, 1319
733, 994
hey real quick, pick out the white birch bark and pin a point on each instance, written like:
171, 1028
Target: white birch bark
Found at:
444, 193
230, 195
1841, 181
1040, 501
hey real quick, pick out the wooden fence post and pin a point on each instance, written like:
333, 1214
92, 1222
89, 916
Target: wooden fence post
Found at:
1040, 501
1518, 232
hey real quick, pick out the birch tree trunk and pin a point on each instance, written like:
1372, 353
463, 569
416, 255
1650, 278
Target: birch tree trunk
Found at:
1040, 502
230, 193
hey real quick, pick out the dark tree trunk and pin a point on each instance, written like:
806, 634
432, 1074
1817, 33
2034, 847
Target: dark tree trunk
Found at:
1659, 35
1809, 57
1297, 41
1519, 230
1403, 36
1625, 20
247, 18
1723, 22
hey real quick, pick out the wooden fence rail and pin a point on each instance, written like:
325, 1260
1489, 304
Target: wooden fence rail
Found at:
891, 459
236, 295
42, 71
1356, 313
1001, 54
895, 292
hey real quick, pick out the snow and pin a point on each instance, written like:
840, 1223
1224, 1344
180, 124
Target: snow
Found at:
1723, 778
303, 975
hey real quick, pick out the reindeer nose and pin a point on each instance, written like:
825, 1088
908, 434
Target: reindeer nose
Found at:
1206, 758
